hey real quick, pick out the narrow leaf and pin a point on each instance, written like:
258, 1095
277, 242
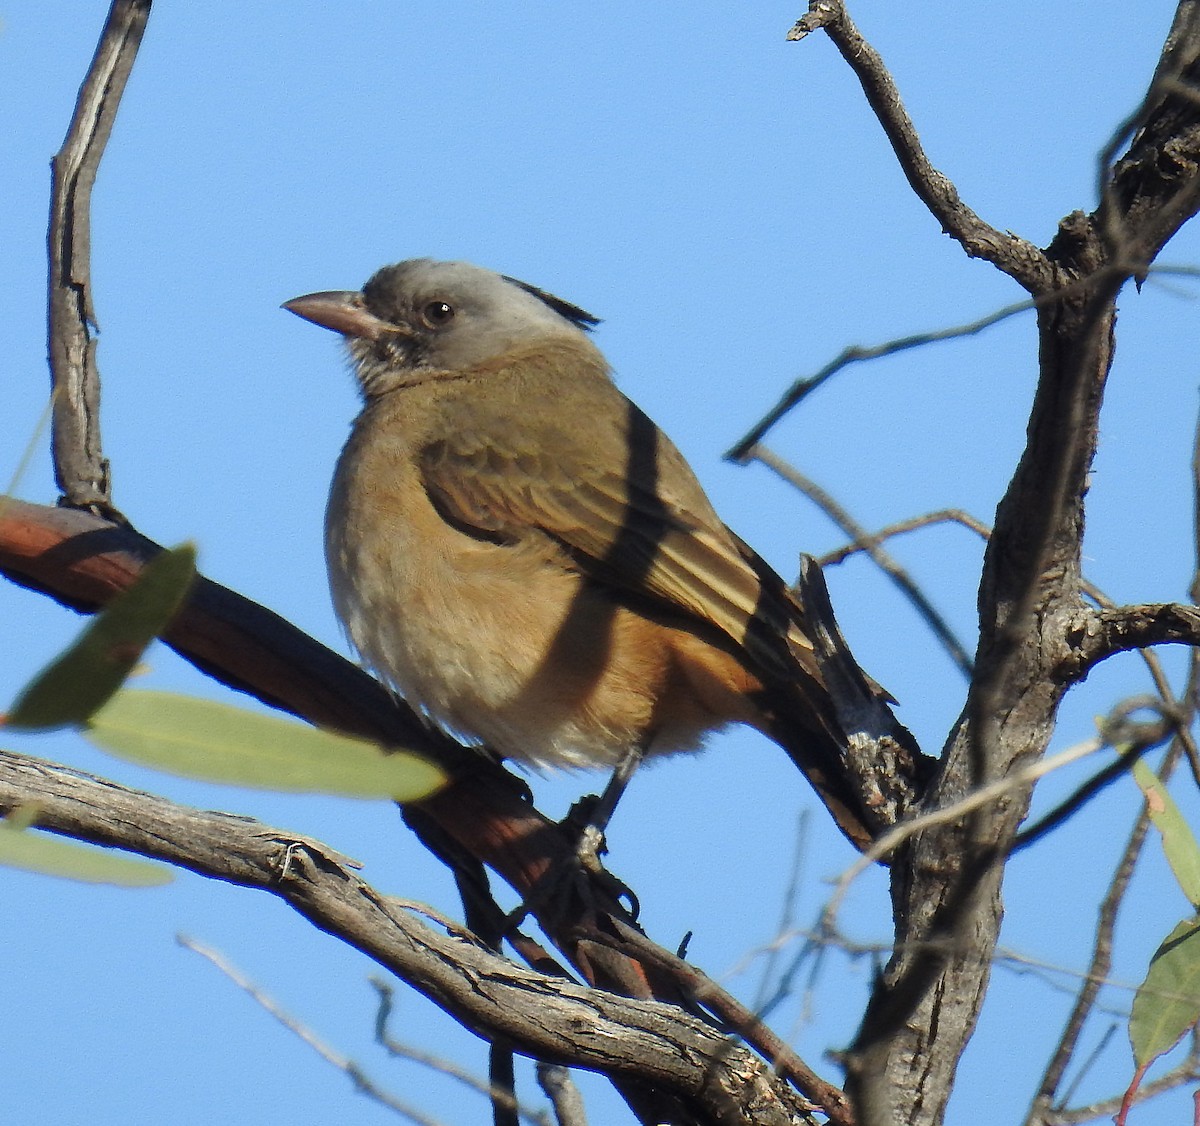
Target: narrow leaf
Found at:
1179, 843
80, 680
31, 851
218, 743
1167, 1003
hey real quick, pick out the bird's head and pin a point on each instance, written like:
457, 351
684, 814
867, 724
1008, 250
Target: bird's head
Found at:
420, 318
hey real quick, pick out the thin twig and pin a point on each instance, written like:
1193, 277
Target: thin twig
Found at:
897, 835
1020, 259
827, 937
1186, 1072
1093, 1058
352, 1071
555, 1080
80, 468
828, 1098
398, 1048
824, 937
871, 545
1019, 965
902, 527
767, 995
1134, 738
854, 353
30, 451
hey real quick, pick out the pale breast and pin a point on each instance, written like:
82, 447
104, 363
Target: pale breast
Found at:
505, 643
502, 644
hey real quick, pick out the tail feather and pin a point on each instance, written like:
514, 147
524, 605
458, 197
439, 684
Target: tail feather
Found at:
836, 724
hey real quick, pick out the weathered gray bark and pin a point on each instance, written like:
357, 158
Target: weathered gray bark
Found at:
1037, 636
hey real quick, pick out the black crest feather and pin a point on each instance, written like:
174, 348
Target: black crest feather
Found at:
581, 318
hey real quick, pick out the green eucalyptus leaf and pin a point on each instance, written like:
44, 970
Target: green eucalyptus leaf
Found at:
80, 680
218, 743
1167, 1003
32, 851
1179, 843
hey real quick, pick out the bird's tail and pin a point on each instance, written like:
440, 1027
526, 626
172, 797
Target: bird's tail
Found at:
836, 723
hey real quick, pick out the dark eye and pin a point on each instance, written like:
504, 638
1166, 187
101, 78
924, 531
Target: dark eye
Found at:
437, 313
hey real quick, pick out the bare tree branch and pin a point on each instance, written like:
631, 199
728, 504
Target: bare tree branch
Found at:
855, 353
83, 561
1021, 260
902, 527
645, 1042
80, 468
564, 1096
400, 1050
1103, 633
362, 1082
1043, 1110
871, 544
946, 880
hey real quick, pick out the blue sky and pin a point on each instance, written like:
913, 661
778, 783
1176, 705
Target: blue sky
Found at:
727, 203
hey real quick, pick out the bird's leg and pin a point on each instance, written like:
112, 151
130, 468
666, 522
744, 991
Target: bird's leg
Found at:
591, 835
589, 817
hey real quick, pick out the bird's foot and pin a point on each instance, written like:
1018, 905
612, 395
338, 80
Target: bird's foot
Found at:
581, 823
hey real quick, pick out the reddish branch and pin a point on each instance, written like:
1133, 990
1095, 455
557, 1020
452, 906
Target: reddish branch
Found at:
82, 561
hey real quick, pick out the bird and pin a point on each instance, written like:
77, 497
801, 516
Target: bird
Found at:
521, 554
